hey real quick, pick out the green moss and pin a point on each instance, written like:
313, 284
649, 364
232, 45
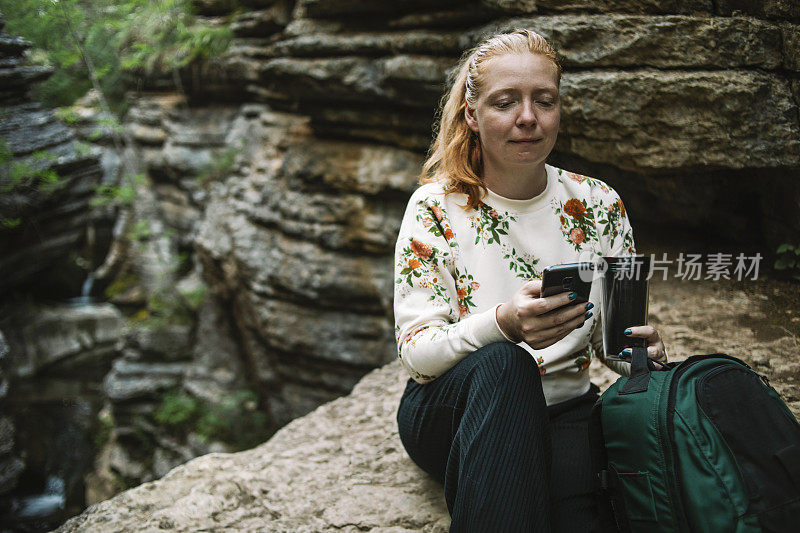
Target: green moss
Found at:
194, 297
122, 284
67, 115
220, 166
236, 420
31, 174
177, 409
117, 195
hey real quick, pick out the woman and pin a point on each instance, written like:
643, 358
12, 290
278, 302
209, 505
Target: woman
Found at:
498, 401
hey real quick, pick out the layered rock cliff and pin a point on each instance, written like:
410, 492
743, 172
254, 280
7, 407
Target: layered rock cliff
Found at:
287, 205
52, 356
688, 108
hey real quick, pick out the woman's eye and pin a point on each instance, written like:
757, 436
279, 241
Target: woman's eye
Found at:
502, 105
545, 103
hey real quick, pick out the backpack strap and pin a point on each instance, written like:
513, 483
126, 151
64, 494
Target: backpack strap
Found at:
640, 372
612, 516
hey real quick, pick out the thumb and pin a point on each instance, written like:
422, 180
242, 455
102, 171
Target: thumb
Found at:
532, 288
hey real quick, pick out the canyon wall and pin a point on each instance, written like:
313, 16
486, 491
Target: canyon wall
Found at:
273, 186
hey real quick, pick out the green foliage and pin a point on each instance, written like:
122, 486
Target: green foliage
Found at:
117, 195
162, 310
31, 174
235, 420
177, 409
10, 223
140, 231
122, 284
194, 297
67, 114
121, 38
166, 37
220, 166
82, 149
788, 258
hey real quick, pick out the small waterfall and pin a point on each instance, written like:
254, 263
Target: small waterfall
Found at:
86, 291
41, 506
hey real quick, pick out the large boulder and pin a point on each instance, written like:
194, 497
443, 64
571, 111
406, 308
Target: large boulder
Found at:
343, 467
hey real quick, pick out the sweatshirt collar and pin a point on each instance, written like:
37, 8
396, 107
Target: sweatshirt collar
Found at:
527, 205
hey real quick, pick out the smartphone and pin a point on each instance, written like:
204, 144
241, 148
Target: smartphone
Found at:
569, 277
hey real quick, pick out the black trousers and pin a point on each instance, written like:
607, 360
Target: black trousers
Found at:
508, 462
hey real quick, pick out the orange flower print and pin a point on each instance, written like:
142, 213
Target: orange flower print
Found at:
575, 208
474, 285
462, 310
448, 234
462, 293
420, 249
604, 188
542, 371
437, 212
413, 263
563, 220
427, 222
577, 235
575, 177
621, 206
493, 214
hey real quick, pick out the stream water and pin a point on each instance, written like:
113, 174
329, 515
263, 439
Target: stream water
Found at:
55, 439
55, 414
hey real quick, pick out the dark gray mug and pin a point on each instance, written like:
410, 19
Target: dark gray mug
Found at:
625, 301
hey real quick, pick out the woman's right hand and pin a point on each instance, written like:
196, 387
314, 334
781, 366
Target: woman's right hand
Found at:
540, 322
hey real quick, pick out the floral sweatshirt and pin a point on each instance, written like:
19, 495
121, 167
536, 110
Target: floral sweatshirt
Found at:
454, 267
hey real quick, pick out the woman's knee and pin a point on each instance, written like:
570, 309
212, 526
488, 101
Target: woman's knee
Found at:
504, 361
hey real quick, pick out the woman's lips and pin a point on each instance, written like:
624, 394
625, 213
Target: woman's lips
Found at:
526, 141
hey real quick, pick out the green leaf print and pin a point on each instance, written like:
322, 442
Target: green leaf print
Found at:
490, 225
613, 217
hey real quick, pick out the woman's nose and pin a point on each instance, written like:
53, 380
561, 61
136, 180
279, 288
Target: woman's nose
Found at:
527, 114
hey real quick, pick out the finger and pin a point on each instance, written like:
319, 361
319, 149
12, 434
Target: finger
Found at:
557, 300
657, 353
532, 287
643, 332
566, 313
547, 337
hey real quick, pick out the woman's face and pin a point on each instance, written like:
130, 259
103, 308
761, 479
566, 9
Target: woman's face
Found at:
518, 111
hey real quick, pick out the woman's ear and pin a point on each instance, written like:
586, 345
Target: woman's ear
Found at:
471, 118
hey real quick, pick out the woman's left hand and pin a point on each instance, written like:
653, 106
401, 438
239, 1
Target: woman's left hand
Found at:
655, 346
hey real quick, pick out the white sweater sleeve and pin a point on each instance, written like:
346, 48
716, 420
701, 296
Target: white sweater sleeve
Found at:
433, 329
616, 240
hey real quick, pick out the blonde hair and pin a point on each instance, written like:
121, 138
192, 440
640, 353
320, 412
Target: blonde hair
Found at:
455, 157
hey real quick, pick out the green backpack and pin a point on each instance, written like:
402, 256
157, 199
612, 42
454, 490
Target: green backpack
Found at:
705, 446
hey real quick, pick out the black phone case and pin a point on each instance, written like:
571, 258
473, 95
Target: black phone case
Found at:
566, 278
